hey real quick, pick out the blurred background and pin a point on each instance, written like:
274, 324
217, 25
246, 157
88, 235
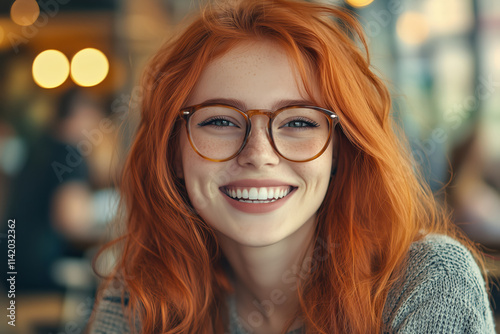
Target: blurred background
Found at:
69, 97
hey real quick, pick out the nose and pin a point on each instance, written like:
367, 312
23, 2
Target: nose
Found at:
258, 151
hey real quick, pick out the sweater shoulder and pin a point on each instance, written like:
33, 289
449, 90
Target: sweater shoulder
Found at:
441, 280
439, 255
110, 315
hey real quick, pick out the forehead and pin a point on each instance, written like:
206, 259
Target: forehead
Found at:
256, 73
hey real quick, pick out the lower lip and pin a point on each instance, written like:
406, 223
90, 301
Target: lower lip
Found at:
258, 207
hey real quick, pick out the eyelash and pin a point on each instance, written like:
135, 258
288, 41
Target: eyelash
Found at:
215, 119
303, 120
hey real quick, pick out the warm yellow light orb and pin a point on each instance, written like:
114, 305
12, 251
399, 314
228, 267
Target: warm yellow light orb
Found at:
359, 3
412, 28
50, 69
89, 67
24, 12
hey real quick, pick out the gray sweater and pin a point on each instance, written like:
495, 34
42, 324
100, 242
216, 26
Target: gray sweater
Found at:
442, 291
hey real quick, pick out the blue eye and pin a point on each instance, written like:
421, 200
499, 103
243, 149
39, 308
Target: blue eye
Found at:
218, 122
301, 123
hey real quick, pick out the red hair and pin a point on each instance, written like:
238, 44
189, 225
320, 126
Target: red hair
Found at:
375, 207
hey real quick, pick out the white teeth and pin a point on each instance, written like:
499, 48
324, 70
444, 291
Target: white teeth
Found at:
258, 195
253, 193
262, 194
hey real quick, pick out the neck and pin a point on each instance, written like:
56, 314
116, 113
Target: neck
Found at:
265, 277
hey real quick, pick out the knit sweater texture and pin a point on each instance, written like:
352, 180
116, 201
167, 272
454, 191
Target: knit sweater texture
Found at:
442, 291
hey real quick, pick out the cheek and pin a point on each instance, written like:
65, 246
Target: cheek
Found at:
202, 177
197, 185
316, 174
191, 173
322, 165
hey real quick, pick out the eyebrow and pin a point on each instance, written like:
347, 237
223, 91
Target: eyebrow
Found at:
243, 107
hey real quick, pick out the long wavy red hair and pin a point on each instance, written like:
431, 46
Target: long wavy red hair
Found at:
376, 205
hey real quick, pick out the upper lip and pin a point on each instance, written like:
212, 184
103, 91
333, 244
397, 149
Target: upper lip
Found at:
258, 183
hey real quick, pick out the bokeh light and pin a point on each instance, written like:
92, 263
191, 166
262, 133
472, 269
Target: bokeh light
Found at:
89, 67
412, 28
448, 17
24, 12
359, 3
50, 69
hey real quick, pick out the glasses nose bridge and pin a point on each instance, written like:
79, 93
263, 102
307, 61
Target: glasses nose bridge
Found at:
260, 112
256, 112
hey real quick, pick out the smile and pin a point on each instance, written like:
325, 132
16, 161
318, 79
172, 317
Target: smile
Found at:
257, 194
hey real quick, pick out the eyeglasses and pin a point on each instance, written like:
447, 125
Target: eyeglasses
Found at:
219, 132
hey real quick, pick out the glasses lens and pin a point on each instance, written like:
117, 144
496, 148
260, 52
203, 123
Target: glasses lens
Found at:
300, 133
217, 132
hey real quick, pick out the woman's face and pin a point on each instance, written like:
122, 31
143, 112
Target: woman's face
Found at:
257, 75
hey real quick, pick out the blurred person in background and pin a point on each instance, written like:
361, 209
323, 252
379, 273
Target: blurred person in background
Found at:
34, 205
61, 197
474, 192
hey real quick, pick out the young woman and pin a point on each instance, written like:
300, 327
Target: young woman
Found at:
267, 192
